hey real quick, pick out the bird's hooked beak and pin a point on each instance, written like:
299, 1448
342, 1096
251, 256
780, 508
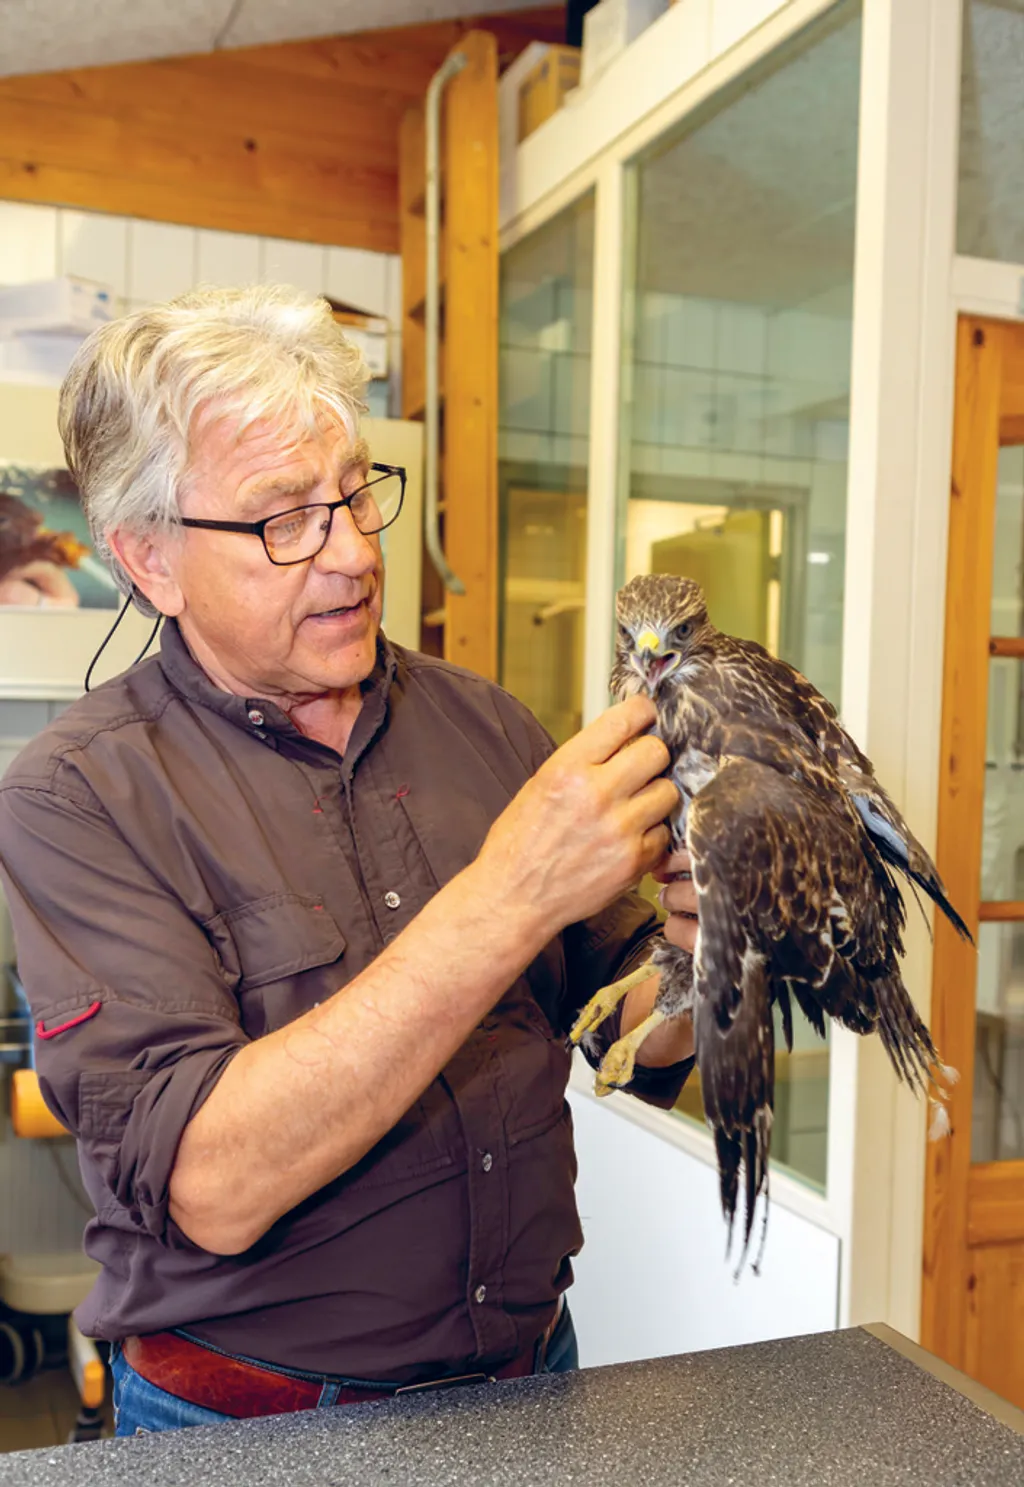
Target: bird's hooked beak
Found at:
652, 660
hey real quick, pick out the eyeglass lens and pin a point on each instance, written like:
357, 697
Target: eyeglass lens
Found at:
296, 535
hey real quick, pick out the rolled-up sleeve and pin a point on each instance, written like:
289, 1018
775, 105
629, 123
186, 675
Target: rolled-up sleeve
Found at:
135, 1016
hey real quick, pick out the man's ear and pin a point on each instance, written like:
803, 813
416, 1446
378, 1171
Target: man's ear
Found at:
147, 561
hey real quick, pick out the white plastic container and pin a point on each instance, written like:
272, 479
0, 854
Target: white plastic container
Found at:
46, 1284
65, 306
608, 30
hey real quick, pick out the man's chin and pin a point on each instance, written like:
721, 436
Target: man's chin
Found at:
339, 661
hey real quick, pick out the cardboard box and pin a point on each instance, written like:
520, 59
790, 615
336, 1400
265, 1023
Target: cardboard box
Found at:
508, 124
609, 29
368, 332
543, 90
61, 307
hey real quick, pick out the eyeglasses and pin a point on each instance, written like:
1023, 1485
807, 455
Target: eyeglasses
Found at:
297, 535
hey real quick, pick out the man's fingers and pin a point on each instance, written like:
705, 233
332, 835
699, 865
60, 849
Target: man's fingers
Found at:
637, 763
682, 932
679, 897
607, 734
652, 805
653, 844
678, 862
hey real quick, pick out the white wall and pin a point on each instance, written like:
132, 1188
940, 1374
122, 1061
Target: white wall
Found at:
143, 261
653, 1278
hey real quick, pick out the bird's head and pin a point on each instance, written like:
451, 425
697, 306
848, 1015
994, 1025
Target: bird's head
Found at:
662, 624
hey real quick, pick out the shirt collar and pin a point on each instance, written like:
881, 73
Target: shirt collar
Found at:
189, 680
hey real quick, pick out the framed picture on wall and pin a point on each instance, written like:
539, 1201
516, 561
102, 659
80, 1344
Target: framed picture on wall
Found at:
57, 600
55, 616
46, 555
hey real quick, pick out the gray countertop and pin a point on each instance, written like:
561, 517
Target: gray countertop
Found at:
842, 1407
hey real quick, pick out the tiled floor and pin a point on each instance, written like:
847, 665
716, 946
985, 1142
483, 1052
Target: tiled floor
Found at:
39, 1413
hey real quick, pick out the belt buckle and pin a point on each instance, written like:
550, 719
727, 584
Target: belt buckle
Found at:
446, 1383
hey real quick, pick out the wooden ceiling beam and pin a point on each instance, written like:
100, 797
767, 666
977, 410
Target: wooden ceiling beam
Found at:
297, 140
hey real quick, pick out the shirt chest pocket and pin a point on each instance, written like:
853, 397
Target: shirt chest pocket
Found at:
281, 954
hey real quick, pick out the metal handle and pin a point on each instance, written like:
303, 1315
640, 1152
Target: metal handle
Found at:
431, 411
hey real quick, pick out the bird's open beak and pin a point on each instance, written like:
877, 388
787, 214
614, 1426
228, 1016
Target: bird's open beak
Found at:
652, 660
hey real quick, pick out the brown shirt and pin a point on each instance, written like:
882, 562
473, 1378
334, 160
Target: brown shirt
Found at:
186, 872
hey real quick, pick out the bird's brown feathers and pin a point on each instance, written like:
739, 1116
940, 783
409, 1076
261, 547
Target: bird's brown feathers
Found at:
793, 842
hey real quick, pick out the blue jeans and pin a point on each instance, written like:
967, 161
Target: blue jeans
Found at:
140, 1407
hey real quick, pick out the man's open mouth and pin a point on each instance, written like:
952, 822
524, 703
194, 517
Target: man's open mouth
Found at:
330, 614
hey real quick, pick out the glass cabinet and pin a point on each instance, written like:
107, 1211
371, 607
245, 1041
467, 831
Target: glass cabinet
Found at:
736, 296
546, 297
736, 341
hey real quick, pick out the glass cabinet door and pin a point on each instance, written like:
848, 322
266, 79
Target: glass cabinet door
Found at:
997, 1122
544, 399
736, 392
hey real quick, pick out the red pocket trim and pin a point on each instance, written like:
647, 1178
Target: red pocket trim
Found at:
42, 1032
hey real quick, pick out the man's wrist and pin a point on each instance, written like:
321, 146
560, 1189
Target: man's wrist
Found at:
519, 922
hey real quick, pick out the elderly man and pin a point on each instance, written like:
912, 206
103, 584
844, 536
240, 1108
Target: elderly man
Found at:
303, 916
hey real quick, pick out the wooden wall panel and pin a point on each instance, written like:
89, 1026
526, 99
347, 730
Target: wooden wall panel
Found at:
958, 846
295, 141
470, 358
995, 1321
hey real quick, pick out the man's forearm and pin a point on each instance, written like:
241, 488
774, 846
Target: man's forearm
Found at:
299, 1107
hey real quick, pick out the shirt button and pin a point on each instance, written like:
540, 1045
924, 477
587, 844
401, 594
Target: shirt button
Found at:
480, 1295
392, 900
256, 718
487, 1161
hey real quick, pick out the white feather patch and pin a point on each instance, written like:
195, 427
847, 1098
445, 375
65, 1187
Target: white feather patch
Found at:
939, 1125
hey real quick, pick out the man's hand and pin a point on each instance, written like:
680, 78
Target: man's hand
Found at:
679, 897
590, 822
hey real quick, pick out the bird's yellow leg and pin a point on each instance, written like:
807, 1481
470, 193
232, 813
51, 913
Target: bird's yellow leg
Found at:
607, 999
617, 1065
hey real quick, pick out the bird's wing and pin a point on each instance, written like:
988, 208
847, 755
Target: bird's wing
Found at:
894, 839
792, 895
787, 701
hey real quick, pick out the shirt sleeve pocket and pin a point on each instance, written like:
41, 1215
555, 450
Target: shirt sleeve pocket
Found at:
275, 937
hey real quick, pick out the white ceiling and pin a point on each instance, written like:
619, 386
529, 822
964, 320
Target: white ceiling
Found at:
48, 35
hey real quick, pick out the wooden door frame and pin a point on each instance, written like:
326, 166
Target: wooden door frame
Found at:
988, 412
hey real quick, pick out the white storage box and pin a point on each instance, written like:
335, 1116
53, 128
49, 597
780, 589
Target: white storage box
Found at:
66, 306
39, 357
368, 332
608, 30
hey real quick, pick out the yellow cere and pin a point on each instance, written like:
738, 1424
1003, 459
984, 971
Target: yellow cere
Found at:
648, 641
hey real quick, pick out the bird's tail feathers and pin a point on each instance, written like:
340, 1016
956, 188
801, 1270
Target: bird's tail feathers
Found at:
736, 1058
911, 1050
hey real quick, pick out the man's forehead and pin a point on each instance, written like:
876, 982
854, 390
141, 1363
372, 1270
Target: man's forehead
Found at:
218, 438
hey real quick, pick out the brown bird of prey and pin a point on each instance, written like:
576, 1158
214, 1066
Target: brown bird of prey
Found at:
793, 844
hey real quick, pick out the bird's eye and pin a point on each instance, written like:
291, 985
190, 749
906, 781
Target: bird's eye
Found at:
625, 637
683, 630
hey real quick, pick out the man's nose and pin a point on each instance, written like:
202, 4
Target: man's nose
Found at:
347, 549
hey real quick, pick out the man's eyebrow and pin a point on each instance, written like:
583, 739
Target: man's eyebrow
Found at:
271, 487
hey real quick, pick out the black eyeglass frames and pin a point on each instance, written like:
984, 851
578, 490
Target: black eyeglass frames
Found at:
297, 535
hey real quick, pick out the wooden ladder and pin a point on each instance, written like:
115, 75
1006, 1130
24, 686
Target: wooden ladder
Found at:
461, 628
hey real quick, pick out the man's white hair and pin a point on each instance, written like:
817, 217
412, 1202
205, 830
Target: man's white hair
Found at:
136, 388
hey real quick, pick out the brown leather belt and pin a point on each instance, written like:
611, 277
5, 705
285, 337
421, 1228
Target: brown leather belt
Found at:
231, 1386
